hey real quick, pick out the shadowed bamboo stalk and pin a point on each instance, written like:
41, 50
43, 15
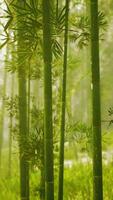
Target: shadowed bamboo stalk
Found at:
62, 137
48, 133
97, 149
23, 121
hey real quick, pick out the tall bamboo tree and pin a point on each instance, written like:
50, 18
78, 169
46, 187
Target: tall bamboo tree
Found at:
24, 166
48, 133
97, 147
62, 137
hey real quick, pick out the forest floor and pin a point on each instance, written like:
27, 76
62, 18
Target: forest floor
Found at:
77, 179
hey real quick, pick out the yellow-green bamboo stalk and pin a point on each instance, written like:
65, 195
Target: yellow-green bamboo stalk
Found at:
62, 137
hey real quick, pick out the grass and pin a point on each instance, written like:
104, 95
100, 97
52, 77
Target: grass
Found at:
77, 181
77, 185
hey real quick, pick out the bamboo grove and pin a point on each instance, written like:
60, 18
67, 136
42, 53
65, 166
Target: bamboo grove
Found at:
53, 99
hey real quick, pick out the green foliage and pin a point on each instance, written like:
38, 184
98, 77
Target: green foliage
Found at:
80, 29
30, 20
33, 146
12, 106
31, 27
110, 112
78, 179
77, 184
79, 133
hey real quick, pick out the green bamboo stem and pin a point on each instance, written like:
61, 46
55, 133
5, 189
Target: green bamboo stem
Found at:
48, 132
23, 121
42, 180
62, 137
95, 66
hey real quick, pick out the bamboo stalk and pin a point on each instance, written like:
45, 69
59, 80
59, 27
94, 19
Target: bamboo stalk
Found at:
48, 132
23, 121
96, 104
62, 137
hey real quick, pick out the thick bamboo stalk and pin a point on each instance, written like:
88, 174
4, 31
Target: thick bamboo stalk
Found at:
23, 123
95, 66
48, 133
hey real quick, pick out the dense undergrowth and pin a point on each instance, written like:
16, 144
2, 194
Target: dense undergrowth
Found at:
77, 181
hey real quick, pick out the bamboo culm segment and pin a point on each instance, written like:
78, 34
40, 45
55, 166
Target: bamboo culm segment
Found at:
63, 109
97, 147
23, 129
48, 133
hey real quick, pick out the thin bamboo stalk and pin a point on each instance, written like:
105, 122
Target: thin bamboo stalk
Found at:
62, 137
